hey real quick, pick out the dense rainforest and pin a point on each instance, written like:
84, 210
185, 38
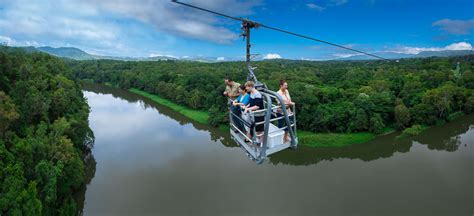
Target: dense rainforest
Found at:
45, 138
331, 96
44, 135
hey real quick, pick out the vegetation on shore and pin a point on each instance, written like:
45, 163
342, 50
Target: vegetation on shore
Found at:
44, 135
331, 97
412, 131
196, 115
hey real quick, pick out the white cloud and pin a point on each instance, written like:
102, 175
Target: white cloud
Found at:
456, 27
220, 59
337, 2
105, 26
416, 50
54, 19
180, 20
322, 6
459, 46
58, 23
272, 56
315, 7
12, 42
7, 40
409, 50
162, 55
345, 55
312, 59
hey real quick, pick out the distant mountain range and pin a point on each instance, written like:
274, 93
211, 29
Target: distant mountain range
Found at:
68, 52
77, 54
424, 54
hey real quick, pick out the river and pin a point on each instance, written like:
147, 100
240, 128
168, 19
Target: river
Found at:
152, 161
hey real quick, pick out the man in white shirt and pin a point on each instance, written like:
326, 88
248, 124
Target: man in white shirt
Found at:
283, 92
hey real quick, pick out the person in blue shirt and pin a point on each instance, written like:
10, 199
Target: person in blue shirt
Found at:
255, 103
238, 106
243, 99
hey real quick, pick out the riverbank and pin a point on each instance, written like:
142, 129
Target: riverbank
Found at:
306, 138
152, 139
196, 115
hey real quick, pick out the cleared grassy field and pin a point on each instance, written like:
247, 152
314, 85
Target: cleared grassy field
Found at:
312, 139
196, 115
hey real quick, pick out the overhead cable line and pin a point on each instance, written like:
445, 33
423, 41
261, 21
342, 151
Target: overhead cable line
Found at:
257, 24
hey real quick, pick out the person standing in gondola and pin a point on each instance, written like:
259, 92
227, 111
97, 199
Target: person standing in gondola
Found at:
255, 103
231, 88
288, 103
232, 91
241, 102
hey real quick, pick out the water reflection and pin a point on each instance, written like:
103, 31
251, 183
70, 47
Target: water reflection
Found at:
216, 135
80, 196
448, 137
152, 161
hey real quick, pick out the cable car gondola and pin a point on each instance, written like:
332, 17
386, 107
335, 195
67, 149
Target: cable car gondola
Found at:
272, 138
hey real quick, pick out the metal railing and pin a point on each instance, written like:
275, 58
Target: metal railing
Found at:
270, 112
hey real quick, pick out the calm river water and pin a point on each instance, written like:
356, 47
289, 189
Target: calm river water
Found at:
152, 161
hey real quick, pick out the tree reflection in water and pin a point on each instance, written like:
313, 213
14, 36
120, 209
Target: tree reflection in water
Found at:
447, 137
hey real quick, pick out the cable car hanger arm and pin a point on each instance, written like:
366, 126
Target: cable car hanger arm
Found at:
256, 25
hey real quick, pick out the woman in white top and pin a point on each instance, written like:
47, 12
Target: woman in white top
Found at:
283, 92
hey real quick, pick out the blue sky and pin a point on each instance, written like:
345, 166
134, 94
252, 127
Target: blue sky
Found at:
142, 28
